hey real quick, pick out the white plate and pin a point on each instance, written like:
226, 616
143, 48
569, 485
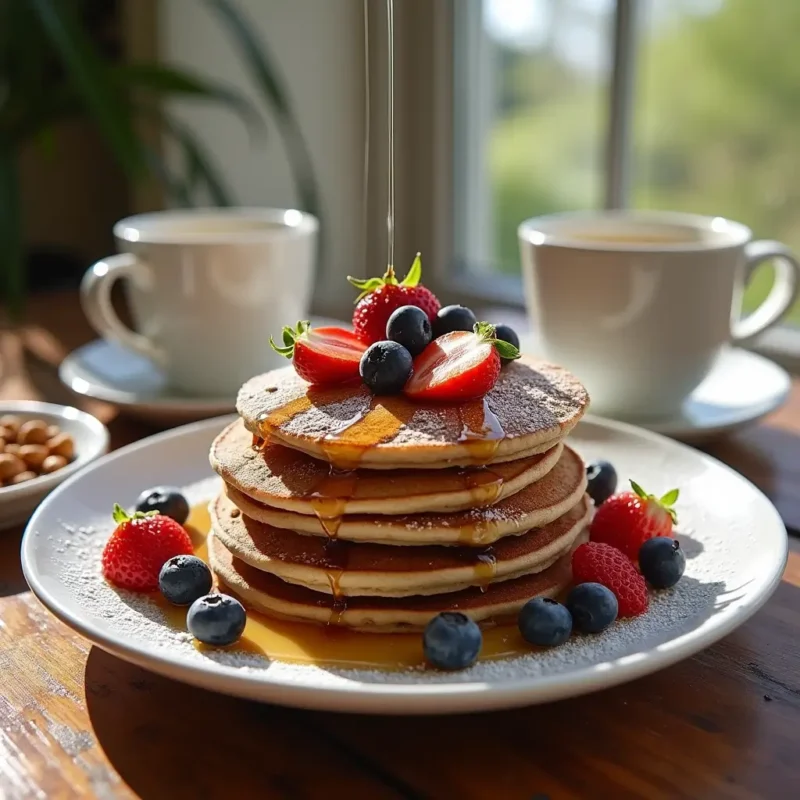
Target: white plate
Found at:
733, 536
107, 371
91, 441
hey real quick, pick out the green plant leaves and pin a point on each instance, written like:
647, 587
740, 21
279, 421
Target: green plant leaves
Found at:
11, 261
88, 73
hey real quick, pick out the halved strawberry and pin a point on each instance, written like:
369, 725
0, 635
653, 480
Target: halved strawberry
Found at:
459, 366
381, 296
323, 355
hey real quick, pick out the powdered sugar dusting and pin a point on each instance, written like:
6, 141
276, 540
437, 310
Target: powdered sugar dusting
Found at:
709, 586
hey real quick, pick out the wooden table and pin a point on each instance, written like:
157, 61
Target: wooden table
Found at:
76, 722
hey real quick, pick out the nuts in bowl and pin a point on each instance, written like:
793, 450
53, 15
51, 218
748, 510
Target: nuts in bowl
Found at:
30, 448
41, 445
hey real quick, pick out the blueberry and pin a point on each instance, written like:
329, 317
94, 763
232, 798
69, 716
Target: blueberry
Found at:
451, 640
453, 318
602, 479
593, 607
410, 327
544, 622
167, 500
183, 579
385, 367
662, 561
506, 334
216, 619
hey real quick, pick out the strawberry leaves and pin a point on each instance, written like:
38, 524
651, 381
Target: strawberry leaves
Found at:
389, 278
120, 515
290, 336
666, 501
486, 332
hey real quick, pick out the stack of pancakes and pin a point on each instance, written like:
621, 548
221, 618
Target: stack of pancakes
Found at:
376, 513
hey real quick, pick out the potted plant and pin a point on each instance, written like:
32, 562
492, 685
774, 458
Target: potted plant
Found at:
52, 69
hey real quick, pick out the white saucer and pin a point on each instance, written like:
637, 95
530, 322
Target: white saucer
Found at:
735, 543
742, 388
106, 371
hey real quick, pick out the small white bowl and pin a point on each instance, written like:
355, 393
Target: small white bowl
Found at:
91, 442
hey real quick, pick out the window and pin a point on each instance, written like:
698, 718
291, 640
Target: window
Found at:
713, 112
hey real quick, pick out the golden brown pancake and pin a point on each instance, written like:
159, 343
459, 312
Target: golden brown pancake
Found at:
348, 568
270, 595
532, 507
294, 481
532, 406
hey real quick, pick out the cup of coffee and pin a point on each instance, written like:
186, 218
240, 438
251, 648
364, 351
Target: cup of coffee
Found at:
640, 304
206, 289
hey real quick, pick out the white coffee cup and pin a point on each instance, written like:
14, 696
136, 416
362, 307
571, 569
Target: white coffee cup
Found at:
639, 304
206, 289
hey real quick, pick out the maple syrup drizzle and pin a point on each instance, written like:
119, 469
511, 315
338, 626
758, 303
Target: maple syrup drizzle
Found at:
481, 431
306, 643
485, 568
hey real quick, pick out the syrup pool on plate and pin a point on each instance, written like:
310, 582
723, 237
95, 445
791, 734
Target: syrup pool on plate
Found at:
303, 643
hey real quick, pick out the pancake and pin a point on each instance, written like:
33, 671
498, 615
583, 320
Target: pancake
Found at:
351, 569
288, 479
270, 595
532, 507
532, 406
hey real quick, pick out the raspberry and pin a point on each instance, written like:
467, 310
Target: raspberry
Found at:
601, 563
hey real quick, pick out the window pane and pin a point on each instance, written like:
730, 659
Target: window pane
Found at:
717, 116
530, 104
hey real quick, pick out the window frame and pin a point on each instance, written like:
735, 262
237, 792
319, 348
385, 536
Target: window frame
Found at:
428, 192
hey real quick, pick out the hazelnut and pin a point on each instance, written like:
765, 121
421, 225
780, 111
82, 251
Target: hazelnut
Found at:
2, 445
8, 435
24, 476
12, 448
34, 454
11, 422
62, 445
52, 431
10, 465
34, 431
53, 463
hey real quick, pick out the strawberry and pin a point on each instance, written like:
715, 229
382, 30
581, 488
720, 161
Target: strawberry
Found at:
139, 547
459, 366
381, 296
324, 355
593, 562
629, 519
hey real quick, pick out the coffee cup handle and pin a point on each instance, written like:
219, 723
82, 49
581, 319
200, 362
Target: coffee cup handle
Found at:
782, 296
96, 287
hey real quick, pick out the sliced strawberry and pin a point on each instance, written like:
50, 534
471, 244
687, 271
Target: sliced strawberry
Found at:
459, 366
381, 296
322, 355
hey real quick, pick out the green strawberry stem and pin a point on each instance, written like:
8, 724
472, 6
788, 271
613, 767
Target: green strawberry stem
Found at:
290, 336
486, 332
666, 501
120, 515
389, 278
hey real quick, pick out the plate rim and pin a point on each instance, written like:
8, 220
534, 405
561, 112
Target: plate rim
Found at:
406, 698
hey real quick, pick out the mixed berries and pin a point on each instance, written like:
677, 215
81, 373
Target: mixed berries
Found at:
403, 341
139, 546
631, 550
629, 519
380, 297
151, 550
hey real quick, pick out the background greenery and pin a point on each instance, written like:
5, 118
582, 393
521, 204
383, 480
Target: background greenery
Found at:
717, 121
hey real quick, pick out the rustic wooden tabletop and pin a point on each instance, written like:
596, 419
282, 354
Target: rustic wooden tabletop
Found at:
76, 722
